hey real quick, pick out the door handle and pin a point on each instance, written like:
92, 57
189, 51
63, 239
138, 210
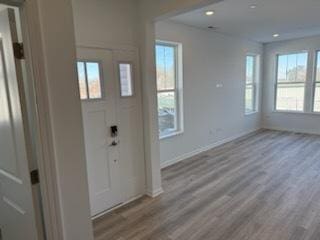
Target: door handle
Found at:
114, 143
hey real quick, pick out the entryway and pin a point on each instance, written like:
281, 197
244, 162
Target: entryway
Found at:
110, 92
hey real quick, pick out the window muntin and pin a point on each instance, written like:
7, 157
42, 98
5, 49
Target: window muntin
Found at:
316, 99
291, 81
126, 79
251, 84
89, 77
169, 92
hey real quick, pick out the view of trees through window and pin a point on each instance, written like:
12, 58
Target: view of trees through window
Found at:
291, 80
166, 62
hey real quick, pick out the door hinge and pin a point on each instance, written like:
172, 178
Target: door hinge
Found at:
34, 175
18, 50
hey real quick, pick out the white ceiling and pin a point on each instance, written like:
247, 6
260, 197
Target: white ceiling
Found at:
289, 18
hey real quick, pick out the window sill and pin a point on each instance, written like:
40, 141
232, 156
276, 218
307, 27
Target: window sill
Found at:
170, 135
251, 113
297, 112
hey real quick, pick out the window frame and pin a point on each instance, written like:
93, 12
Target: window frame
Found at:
178, 87
276, 82
254, 84
132, 79
99, 62
315, 82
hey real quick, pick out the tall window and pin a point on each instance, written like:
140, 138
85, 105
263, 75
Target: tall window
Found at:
316, 107
291, 81
251, 84
169, 88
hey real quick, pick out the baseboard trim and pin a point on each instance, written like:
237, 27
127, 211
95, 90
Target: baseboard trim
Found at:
116, 207
206, 148
292, 130
151, 194
154, 193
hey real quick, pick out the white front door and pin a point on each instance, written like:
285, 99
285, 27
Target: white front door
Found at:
98, 117
17, 218
112, 126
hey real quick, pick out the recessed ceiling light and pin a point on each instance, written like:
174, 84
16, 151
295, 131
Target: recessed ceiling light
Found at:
253, 6
276, 35
209, 13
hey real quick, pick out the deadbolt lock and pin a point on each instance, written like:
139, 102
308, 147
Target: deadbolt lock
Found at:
114, 131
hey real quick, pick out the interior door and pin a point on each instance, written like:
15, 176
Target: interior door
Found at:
17, 215
99, 115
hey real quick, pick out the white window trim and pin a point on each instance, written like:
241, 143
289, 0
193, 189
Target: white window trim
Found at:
255, 84
178, 89
170, 135
315, 82
304, 111
297, 112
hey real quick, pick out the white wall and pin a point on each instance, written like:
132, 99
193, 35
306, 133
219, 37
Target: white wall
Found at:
61, 121
209, 59
106, 23
149, 11
299, 122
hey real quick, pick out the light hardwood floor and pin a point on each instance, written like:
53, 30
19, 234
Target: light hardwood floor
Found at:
265, 186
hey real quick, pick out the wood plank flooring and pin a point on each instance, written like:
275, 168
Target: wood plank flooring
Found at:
265, 186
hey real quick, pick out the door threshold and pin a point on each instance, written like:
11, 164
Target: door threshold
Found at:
116, 207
